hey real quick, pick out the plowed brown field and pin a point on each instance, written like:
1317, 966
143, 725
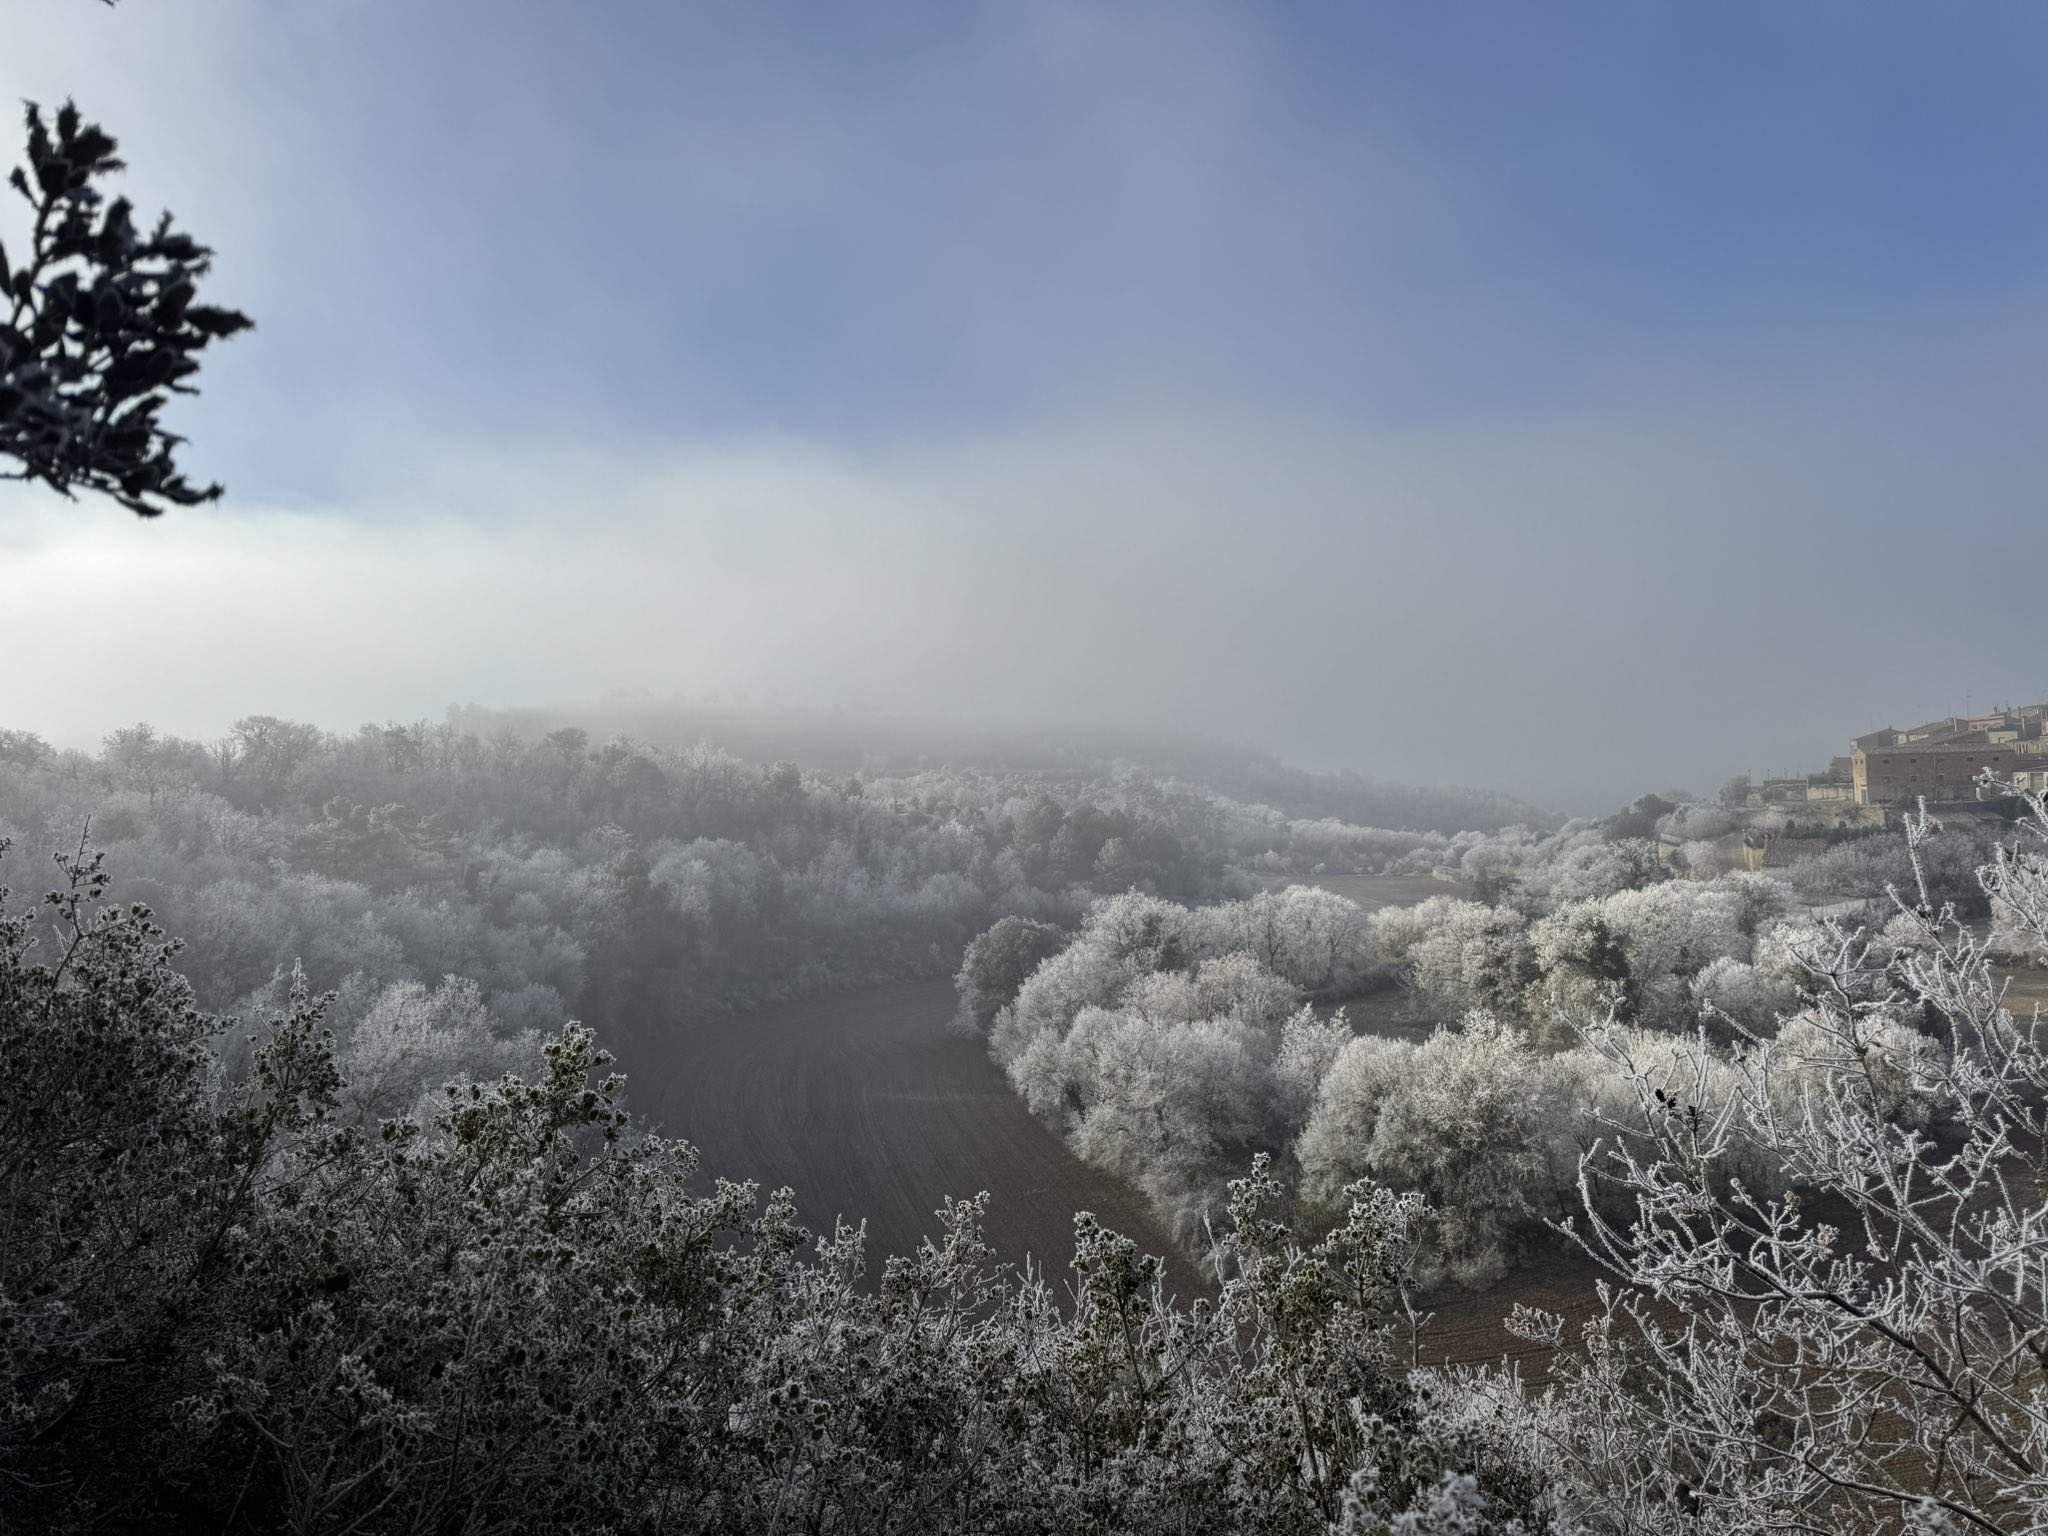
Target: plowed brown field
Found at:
867, 1107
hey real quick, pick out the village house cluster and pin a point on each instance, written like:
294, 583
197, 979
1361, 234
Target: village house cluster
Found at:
1939, 762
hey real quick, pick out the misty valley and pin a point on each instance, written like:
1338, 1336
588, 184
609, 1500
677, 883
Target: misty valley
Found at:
964, 769
977, 1102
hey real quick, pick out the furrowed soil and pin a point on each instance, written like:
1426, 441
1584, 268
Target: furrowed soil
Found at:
867, 1107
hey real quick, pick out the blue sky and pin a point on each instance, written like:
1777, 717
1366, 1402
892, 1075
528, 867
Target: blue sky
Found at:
1361, 378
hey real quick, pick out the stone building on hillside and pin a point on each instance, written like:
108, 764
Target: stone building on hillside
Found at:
1932, 770
1777, 791
1933, 730
1937, 760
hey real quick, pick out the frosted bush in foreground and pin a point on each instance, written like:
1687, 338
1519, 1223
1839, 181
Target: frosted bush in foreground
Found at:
226, 1305
1870, 1355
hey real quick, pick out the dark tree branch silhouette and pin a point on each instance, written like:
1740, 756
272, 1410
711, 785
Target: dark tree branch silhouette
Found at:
101, 327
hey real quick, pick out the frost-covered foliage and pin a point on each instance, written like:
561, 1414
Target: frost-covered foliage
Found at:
995, 965
1824, 1205
1169, 1105
1461, 954
1312, 939
1657, 953
411, 1039
1535, 871
1739, 992
1474, 1118
1170, 1043
1329, 846
227, 1305
1165, 1041
1870, 1361
1870, 865
226, 1302
1282, 945
1648, 944
635, 887
1309, 1047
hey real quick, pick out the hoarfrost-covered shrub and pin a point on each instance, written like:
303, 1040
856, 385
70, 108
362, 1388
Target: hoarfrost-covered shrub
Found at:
1460, 954
223, 1306
1595, 870
1171, 1107
1309, 1047
1788, 951
1880, 1061
1154, 1010
1668, 934
414, 1039
1040, 1072
1233, 986
1320, 942
1640, 1082
1483, 1126
1335, 1147
1760, 899
1088, 973
996, 965
1764, 1364
1473, 1118
1738, 991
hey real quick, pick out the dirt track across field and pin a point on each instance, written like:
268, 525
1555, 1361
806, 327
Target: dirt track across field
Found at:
865, 1106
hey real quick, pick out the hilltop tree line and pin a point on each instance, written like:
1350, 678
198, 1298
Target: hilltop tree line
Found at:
461, 893
630, 887
868, 744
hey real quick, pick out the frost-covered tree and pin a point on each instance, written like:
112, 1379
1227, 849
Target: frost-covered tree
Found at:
1736, 991
1319, 941
412, 1039
1647, 945
995, 965
1867, 1358
1172, 1107
1309, 1047
1480, 1123
1460, 954
1169, 1044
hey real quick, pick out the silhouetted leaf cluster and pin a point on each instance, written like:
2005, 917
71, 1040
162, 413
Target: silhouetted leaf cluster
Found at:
102, 326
